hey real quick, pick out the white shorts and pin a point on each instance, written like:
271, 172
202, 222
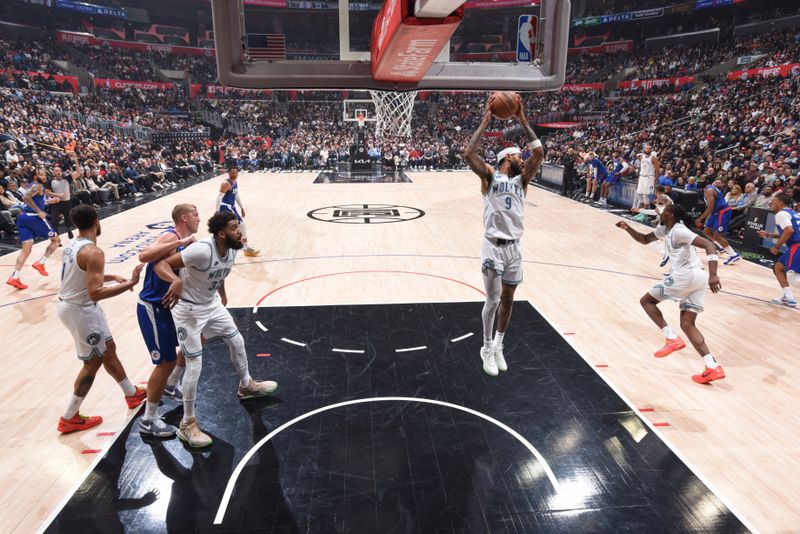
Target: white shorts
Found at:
88, 326
688, 288
193, 320
645, 186
505, 260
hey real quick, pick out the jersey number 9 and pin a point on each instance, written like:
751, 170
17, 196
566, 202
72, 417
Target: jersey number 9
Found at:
508, 203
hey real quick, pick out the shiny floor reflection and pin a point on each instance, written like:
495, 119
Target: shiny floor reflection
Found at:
400, 466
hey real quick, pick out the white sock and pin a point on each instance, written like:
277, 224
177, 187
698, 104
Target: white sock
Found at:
175, 376
487, 342
710, 362
194, 366
42, 260
15, 274
730, 251
73, 407
787, 292
150, 411
498, 338
127, 387
669, 333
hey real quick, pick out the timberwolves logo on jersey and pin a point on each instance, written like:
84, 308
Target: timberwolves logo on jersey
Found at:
93, 339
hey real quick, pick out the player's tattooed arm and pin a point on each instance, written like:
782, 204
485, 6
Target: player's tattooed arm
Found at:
475, 162
27, 198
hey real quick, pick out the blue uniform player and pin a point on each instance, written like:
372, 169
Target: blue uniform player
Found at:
716, 218
32, 223
788, 223
599, 174
229, 197
619, 167
155, 320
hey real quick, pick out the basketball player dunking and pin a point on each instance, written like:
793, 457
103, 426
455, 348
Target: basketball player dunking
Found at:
197, 299
31, 223
686, 283
227, 200
155, 321
82, 286
503, 212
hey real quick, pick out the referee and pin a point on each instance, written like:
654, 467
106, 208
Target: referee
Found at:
60, 187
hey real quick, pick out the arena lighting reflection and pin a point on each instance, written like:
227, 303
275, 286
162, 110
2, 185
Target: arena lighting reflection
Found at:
634, 426
575, 491
530, 473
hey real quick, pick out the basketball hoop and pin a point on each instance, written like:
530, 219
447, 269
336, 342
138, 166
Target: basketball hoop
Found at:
360, 118
393, 112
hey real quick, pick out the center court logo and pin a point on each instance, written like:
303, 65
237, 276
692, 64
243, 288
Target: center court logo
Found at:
366, 214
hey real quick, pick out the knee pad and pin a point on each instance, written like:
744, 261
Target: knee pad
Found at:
243, 228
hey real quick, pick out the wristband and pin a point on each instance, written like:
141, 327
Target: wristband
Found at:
534, 144
712, 257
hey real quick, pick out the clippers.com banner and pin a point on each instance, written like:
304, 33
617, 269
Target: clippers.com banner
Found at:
89, 39
766, 72
119, 85
658, 82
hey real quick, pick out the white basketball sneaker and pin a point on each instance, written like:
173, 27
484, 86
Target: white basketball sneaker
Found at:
499, 358
489, 363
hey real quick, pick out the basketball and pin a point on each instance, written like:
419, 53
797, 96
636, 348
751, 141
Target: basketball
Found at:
505, 104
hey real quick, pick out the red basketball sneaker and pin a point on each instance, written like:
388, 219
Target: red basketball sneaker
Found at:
671, 346
709, 375
137, 398
16, 283
79, 422
40, 268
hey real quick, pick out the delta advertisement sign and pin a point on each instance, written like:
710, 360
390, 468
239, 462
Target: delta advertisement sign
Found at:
657, 82
778, 71
89, 39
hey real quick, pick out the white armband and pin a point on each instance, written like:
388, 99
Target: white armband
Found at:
712, 257
534, 144
219, 200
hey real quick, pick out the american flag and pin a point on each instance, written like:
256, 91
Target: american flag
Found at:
271, 46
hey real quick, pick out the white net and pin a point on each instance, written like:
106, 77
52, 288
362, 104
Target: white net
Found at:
393, 111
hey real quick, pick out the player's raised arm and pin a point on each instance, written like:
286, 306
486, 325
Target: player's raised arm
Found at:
533, 162
644, 239
92, 260
475, 162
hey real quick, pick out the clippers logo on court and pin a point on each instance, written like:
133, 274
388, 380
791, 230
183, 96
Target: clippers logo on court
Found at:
163, 225
366, 214
93, 339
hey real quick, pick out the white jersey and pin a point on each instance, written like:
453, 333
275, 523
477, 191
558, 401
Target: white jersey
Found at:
679, 248
504, 208
205, 271
647, 168
73, 278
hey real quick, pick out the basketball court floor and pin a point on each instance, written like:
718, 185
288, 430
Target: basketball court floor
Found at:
365, 307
